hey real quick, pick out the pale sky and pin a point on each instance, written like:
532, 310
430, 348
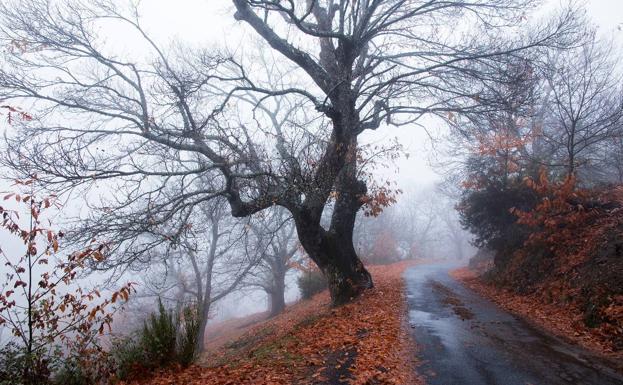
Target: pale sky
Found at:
211, 22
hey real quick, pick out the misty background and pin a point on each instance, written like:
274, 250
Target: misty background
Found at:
423, 221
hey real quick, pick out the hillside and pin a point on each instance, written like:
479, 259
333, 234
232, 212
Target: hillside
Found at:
364, 342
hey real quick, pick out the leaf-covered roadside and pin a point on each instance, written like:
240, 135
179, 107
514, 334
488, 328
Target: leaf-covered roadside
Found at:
560, 258
363, 342
552, 317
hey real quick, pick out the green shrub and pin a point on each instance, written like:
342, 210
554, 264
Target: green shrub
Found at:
159, 337
17, 367
72, 373
165, 338
311, 282
53, 365
10, 364
128, 357
188, 335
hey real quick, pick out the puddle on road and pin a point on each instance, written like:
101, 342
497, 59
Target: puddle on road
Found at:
451, 299
418, 317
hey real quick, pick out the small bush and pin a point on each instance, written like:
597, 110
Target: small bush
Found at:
188, 336
128, 357
311, 282
159, 337
17, 367
10, 364
165, 339
72, 372
54, 365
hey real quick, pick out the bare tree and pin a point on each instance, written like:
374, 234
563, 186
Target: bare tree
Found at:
211, 260
422, 224
275, 234
456, 239
143, 126
611, 161
375, 238
416, 218
585, 109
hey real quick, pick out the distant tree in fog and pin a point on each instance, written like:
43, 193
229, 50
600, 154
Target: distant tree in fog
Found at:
423, 224
584, 119
204, 271
563, 112
276, 239
209, 261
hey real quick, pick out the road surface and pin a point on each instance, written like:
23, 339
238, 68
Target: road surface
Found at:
465, 339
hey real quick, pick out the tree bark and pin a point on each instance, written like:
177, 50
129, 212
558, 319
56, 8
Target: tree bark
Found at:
277, 301
203, 312
345, 273
335, 255
276, 294
333, 250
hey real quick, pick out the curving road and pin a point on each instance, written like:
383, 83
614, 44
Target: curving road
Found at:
465, 339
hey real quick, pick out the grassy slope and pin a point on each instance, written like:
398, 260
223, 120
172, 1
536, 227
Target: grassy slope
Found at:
364, 342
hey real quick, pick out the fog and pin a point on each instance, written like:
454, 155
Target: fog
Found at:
418, 171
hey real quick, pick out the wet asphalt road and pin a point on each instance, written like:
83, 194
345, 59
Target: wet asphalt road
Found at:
465, 339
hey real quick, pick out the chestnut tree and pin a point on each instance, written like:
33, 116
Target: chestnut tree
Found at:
349, 66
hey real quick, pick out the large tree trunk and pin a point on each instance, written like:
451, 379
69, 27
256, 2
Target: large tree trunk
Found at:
333, 250
346, 275
335, 255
